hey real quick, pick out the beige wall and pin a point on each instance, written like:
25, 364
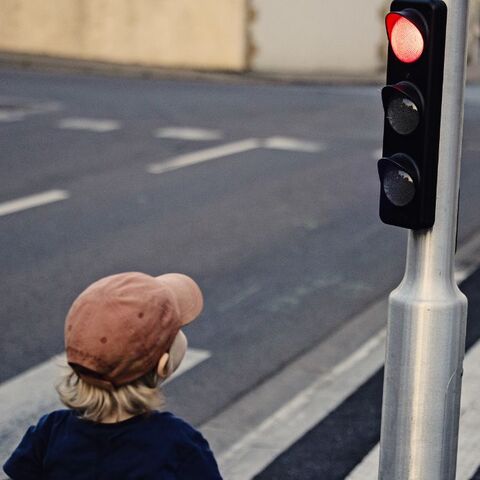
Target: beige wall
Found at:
344, 36
304, 36
208, 34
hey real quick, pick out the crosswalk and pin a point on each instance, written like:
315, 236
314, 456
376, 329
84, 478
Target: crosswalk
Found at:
278, 432
255, 455
304, 437
469, 435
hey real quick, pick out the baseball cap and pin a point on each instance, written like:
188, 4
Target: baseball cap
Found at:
118, 328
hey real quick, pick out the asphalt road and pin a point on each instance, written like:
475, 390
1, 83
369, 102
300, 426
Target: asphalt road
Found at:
286, 244
338, 444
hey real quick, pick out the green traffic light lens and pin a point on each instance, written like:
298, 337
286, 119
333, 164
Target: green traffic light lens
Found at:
399, 187
403, 115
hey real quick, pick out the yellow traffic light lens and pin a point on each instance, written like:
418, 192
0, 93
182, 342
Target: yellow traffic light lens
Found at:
403, 115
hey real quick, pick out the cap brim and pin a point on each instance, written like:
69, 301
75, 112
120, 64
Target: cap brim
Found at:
187, 294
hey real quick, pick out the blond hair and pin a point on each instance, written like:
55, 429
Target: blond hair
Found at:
94, 403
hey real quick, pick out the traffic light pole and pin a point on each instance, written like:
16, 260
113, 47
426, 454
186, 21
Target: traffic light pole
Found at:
427, 312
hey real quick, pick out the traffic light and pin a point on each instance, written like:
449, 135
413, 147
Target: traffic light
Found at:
412, 102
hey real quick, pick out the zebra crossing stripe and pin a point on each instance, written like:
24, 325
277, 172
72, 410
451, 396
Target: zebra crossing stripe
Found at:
468, 458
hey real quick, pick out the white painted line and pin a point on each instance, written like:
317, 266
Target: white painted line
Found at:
277, 143
192, 358
24, 399
292, 144
469, 436
14, 109
204, 155
187, 133
90, 124
28, 396
246, 457
467, 260
368, 468
258, 448
32, 201
461, 274
6, 116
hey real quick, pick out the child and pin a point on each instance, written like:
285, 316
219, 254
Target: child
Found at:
122, 336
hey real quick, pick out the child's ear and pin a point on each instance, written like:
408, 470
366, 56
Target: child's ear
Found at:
169, 362
162, 368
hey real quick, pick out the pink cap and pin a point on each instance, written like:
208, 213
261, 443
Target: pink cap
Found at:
119, 327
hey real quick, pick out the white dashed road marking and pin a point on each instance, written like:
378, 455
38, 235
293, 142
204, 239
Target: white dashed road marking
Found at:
11, 116
89, 124
292, 144
32, 201
187, 133
15, 109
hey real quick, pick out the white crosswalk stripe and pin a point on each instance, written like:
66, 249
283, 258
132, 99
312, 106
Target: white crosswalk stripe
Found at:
468, 458
256, 448
273, 436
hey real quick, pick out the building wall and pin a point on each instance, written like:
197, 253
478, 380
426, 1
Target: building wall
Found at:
207, 34
291, 36
341, 36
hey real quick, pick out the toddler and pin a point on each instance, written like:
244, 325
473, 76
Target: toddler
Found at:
122, 337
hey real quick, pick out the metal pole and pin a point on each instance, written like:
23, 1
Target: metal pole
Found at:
427, 312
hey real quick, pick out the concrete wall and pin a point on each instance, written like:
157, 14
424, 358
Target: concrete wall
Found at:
291, 36
208, 34
341, 36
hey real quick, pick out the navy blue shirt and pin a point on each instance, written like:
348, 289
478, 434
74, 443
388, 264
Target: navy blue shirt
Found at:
152, 446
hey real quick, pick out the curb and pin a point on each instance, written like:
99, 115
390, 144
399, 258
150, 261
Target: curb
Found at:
43, 63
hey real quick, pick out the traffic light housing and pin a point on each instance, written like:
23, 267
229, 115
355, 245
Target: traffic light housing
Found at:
412, 102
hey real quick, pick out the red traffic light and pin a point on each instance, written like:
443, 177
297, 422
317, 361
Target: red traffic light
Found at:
406, 35
412, 102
